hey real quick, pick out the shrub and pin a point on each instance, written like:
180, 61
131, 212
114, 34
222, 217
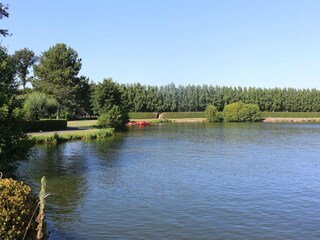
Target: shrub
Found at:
211, 113
249, 113
17, 204
231, 112
38, 105
114, 118
45, 125
240, 112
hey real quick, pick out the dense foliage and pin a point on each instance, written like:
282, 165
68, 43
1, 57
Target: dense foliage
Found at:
24, 59
241, 112
113, 118
38, 105
108, 102
13, 143
211, 113
56, 76
17, 204
4, 13
190, 98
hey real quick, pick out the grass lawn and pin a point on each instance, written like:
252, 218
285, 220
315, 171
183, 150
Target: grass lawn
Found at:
69, 135
82, 123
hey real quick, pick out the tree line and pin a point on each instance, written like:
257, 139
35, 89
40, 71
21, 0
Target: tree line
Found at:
169, 98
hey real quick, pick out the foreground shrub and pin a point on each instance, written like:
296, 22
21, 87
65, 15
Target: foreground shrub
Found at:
211, 113
16, 208
240, 112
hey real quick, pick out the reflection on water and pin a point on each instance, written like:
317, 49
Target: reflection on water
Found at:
185, 181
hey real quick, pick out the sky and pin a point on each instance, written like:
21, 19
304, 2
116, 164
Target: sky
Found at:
252, 43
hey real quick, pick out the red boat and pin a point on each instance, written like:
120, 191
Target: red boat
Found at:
140, 123
131, 123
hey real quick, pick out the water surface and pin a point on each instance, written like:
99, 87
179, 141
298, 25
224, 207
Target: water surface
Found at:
185, 181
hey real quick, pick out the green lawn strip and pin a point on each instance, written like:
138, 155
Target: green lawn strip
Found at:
63, 136
82, 123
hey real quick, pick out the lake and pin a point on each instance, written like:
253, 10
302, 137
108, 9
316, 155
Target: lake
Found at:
184, 181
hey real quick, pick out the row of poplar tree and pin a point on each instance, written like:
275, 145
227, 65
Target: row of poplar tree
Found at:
169, 98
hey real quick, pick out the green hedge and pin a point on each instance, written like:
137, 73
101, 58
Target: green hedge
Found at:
184, 115
45, 125
143, 115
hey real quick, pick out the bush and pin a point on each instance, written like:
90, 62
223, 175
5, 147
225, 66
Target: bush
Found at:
231, 112
45, 125
16, 208
249, 113
114, 118
38, 105
211, 113
240, 112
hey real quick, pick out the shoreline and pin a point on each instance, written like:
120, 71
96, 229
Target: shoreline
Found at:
76, 132
291, 120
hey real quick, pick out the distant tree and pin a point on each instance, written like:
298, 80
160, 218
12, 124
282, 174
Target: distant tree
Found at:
24, 59
83, 97
56, 76
105, 95
4, 13
108, 102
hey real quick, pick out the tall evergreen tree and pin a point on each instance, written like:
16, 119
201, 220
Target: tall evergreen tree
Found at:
56, 76
24, 59
4, 13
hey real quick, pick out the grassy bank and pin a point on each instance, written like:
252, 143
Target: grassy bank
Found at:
64, 136
77, 130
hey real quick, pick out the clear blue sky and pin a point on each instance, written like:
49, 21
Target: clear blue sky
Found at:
261, 43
